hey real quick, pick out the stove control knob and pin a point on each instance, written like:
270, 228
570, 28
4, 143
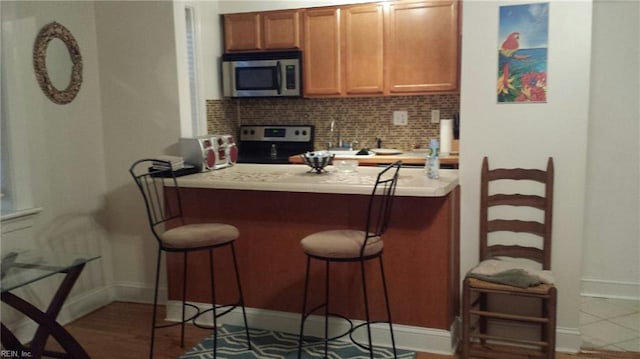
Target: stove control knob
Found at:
297, 133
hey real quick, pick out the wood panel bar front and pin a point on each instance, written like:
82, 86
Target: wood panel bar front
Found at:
420, 254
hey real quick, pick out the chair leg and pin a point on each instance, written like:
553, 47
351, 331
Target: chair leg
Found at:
326, 310
550, 309
184, 297
213, 305
386, 299
155, 303
366, 307
244, 313
304, 307
483, 300
466, 320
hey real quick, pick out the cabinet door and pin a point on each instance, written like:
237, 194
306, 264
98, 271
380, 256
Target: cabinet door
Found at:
281, 29
242, 32
322, 52
362, 41
422, 46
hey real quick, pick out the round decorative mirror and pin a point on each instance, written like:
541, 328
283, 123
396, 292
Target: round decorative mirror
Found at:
55, 59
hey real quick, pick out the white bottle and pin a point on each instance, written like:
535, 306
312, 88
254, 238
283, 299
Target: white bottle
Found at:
432, 164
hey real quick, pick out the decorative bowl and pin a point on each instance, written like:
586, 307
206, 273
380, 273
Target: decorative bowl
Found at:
346, 166
317, 160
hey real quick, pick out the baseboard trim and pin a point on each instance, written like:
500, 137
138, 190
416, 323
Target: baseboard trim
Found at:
138, 293
615, 289
406, 337
568, 340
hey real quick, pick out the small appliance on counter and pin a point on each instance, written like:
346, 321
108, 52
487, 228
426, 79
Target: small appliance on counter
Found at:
273, 144
209, 152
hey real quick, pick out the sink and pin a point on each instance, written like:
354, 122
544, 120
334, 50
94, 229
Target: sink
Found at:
350, 154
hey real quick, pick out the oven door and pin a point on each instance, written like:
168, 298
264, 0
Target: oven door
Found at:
261, 151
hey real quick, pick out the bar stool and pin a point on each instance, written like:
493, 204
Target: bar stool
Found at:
340, 246
151, 176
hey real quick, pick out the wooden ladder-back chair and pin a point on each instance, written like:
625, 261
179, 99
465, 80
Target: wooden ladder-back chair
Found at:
503, 274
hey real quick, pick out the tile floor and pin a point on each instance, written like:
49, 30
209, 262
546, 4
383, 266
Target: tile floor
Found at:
611, 324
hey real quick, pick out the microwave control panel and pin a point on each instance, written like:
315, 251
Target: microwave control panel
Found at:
290, 76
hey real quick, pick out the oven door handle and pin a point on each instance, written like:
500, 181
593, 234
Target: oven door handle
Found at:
279, 77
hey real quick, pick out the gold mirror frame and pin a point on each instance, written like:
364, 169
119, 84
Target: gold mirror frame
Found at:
49, 32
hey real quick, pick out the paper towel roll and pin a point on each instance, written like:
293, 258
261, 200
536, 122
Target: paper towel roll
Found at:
446, 136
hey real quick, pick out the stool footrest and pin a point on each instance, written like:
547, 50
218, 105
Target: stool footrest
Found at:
363, 346
334, 315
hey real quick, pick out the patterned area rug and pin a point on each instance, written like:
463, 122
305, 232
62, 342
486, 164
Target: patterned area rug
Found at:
266, 344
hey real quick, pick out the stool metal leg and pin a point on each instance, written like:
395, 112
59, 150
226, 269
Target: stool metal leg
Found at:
326, 310
244, 313
386, 299
213, 304
366, 308
155, 303
304, 307
184, 296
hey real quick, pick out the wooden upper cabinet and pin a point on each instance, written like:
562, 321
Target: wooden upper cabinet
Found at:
322, 64
242, 32
255, 31
362, 43
422, 46
281, 29
401, 47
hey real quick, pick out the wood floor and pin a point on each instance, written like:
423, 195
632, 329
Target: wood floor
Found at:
121, 330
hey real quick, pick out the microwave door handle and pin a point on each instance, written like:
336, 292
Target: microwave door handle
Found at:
279, 77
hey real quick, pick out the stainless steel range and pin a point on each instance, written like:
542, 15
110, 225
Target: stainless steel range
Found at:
273, 144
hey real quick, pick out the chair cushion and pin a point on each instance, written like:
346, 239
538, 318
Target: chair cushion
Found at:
512, 272
199, 235
343, 243
480, 285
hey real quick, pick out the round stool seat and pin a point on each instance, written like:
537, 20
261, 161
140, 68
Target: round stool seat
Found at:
341, 243
199, 235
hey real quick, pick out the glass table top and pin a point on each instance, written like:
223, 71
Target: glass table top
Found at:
21, 267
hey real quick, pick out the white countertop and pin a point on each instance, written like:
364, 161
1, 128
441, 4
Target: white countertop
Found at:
412, 182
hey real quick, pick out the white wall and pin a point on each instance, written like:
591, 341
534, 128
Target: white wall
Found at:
141, 118
63, 151
524, 135
612, 235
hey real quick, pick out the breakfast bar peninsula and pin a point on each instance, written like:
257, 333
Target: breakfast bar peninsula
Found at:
275, 206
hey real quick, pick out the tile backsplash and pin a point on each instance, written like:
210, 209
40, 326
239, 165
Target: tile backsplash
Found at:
359, 120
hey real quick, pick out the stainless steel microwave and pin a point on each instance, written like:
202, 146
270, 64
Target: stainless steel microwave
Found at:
263, 74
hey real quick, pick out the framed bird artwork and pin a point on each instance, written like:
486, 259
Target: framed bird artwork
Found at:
522, 53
